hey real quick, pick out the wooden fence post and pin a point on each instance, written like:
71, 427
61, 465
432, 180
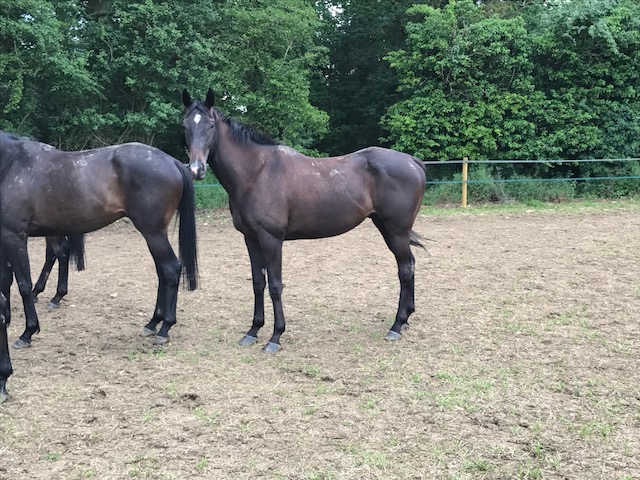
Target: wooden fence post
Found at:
465, 173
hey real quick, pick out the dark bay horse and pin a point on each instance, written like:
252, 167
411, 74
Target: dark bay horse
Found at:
5, 361
69, 248
48, 192
278, 194
63, 250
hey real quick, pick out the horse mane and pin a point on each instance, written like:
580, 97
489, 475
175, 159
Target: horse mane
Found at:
239, 132
7, 157
243, 134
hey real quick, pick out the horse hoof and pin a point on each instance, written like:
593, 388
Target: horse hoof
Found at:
4, 396
53, 306
393, 336
19, 343
248, 340
147, 332
271, 347
404, 326
158, 340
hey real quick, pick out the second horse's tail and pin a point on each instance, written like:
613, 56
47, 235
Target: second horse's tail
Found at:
188, 245
76, 250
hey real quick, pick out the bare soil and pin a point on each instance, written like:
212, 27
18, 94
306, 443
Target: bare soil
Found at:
522, 360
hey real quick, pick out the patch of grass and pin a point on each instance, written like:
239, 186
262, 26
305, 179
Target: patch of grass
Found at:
172, 389
52, 456
202, 463
596, 428
561, 208
312, 371
465, 391
209, 419
149, 416
321, 475
248, 359
310, 409
367, 458
370, 403
477, 465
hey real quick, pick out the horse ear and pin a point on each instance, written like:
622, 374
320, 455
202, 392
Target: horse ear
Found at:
186, 98
210, 100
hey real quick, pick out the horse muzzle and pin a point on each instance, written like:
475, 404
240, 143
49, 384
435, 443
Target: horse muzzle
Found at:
198, 168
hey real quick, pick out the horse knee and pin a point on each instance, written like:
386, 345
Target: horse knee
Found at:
275, 290
24, 288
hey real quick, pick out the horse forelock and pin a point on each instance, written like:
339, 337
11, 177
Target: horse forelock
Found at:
197, 106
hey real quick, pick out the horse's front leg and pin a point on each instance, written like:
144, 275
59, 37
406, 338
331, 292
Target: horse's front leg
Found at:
259, 284
272, 251
18, 257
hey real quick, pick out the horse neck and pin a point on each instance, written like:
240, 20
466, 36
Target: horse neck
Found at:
234, 164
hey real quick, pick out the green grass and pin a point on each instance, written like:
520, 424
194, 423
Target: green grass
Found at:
562, 208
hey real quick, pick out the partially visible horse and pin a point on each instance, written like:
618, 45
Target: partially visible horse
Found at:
278, 194
64, 249
49, 192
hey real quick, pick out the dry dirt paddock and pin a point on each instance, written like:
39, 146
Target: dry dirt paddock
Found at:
522, 360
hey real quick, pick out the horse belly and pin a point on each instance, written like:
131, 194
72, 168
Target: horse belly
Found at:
327, 215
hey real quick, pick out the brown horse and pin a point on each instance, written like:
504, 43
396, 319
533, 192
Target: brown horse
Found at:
48, 192
278, 194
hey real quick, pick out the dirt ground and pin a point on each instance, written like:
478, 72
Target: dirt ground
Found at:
522, 360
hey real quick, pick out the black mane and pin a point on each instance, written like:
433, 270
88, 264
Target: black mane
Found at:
239, 132
243, 134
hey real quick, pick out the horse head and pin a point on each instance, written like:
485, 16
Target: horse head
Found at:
200, 131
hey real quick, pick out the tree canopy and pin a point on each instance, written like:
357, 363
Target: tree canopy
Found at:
438, 79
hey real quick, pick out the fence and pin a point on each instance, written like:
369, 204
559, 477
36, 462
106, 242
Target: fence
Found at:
465, 181
465, 162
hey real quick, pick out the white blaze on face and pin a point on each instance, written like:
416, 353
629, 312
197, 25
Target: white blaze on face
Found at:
197, 118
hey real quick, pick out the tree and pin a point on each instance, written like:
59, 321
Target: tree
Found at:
357, 85
43, 77
466, 82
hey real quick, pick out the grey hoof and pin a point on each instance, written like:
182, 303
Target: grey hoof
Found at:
4, 396
271, 347
53, 306
147, 332
404, 326
158, 340
19, 343
248, 340
393, 336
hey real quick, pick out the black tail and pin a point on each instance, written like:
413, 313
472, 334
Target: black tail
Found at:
414, 239
76, 250
188, 245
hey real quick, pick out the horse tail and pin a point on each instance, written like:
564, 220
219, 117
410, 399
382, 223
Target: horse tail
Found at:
76, 250
188, 245
414, 239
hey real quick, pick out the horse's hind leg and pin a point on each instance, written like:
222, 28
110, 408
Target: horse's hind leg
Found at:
399, 244
6, 279
19, 258
168, 269
49, 261
57, 248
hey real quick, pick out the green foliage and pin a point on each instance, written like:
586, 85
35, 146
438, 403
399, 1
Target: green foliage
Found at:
86, 74
545, 80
